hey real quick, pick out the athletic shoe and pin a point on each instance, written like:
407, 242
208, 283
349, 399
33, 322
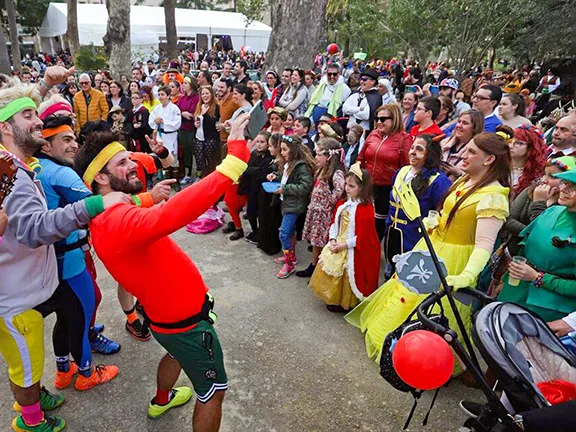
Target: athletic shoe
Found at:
178, 397
308, 272
100, 375
48, 424
280, 260
185, 180
472, 409
98, 328
64, 379
252, 238
138, 331
238, 234
139, 308
48, 401
101, 344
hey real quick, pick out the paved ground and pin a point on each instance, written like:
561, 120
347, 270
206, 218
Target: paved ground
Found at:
293, 366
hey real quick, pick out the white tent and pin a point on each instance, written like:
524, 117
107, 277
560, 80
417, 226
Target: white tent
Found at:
147, 25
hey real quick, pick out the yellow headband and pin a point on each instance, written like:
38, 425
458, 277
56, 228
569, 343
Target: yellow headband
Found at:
101, 160
356, 170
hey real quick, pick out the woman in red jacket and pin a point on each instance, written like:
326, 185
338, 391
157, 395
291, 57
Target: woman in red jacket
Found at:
385, 151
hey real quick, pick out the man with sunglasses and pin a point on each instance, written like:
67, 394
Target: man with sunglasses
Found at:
329, 96
89, 104
361, 106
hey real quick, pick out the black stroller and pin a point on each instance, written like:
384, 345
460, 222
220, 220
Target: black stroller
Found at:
517, 345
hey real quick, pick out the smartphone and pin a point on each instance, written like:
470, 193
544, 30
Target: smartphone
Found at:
410, 89
434, 89
258, 119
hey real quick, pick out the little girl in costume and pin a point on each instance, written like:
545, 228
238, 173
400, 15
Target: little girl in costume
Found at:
297, 181
269, 206
328, 189
349, 264
250, 183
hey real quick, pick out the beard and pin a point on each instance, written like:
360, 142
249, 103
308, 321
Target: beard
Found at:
26, 141
125, 185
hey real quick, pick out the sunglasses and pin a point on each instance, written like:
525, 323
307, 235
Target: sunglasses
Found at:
332, 74
84, 83
382, 119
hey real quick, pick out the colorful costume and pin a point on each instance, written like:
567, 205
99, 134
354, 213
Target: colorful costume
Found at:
134, 245
346, 277
401, 233
391, 304
556, 297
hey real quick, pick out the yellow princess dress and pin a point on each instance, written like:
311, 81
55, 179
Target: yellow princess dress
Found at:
389, 306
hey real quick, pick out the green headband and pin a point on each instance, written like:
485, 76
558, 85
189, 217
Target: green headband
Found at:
15, 107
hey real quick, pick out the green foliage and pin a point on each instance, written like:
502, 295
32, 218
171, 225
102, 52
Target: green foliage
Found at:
195, 4
29, 13
90, 58
253, 10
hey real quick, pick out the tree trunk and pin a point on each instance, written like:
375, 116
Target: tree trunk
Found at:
4, 57
72, 31
297, 26
117, 38
171, 32
14, 43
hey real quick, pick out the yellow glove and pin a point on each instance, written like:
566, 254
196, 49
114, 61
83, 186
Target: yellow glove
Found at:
476, 264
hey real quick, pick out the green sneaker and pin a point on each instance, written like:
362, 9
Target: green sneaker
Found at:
48, 424
48, 401
179, 397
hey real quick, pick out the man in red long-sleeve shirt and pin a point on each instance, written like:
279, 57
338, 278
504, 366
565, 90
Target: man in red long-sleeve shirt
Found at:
136, 249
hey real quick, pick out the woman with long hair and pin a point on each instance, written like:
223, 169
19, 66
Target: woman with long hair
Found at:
295, 98
528, 150
187, 103
134, 87
469, 124
384, 152
207, 139
104, 87
511, 111
409, 104
148, 99
471, 215
118, 98
430, 186
259, 94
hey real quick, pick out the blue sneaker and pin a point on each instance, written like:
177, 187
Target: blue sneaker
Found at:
101, 344
98, 328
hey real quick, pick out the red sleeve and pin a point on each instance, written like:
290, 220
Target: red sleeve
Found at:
406, 145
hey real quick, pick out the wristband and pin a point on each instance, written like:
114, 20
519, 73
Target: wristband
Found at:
94, 205
43, 84
136, 200
232, 167
164, 153
145, 200
538, 281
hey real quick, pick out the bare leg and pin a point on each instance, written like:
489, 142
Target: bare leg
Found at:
207, 417
125, 298
315, 254
26, 396
168, 373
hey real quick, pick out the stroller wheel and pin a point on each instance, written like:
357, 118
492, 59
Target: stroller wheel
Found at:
472, 409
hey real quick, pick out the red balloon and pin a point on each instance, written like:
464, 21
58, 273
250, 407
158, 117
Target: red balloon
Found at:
333, 49
423, 360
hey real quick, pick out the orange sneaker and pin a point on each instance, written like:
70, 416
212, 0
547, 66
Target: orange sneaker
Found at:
64, 379
100, 375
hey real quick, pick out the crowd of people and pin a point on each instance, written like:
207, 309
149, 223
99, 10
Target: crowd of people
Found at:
105, 161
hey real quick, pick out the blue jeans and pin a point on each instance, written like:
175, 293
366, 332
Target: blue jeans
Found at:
287, 229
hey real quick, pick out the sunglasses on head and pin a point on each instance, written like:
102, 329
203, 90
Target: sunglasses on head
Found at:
332, 74
382, 119
363, 79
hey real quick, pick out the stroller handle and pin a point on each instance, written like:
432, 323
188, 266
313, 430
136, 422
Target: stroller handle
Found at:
423, 316
477, 294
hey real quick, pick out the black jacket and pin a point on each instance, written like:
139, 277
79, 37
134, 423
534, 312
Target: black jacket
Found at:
374, 102
259, 166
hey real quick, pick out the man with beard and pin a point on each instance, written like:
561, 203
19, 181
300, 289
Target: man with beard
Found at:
329, 96
135, 247
227, 108
76, 293
27, 262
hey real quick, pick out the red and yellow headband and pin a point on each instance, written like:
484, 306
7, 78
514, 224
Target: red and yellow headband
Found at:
101, 160
48, 132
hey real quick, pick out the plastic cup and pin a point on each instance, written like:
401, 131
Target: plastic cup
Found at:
433, 217
517, 259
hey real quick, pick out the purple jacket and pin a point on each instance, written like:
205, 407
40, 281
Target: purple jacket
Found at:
188, 103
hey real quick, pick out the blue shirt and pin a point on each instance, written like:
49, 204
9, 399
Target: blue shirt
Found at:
63, 186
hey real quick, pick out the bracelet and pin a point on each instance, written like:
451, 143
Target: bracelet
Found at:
538, 281
43, 84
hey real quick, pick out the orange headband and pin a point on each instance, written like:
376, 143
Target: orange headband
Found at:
47, 133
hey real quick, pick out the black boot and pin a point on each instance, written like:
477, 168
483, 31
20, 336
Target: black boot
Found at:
306, 273
230, 227
238, 234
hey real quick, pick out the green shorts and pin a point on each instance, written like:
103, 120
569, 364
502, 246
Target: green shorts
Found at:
199, 353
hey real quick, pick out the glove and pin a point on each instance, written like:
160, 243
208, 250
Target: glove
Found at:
234, 164
476, 264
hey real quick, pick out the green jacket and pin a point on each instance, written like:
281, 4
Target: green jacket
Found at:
297, 189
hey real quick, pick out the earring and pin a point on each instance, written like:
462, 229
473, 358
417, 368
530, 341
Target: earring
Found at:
486, 163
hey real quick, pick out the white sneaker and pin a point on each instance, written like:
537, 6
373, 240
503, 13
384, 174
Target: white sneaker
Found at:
185, 180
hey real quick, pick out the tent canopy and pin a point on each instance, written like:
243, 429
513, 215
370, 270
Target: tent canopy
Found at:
147, 25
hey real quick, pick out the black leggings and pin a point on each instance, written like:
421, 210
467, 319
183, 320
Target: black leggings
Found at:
381, 205
204, 152
74, 308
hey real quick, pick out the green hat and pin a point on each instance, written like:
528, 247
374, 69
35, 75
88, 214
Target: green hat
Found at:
565, 163
569, 176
